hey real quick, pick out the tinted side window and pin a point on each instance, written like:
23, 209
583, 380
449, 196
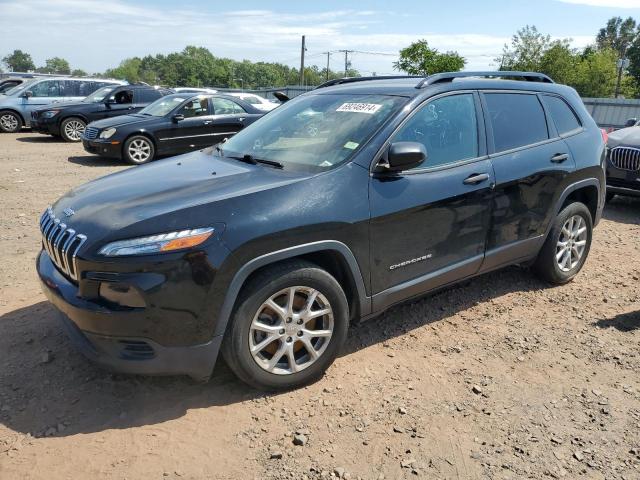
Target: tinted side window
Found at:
223, 106
562, 115
517, 120
195, 108
123, 97
447, 127
148, 96
70, 88
47, 88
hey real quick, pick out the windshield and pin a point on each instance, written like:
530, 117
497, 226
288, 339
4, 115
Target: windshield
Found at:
314, 132
19, 88
162, 106
100, 94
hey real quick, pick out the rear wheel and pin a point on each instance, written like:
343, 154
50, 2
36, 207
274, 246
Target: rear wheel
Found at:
288, 327
71, 129
138, 150
567, 246
10, 122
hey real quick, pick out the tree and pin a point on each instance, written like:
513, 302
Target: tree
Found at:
419, 59
617, 35
78, 72
526, 51
56, 65
19, 61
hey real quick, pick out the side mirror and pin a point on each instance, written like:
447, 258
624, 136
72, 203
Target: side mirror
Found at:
404, 156
283, 97
631, 122
27, 94
178, 117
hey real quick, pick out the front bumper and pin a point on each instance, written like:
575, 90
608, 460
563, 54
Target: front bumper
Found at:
86, 323
104, 148
48, 126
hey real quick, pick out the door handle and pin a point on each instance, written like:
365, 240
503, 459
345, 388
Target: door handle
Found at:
130, 108
208, 122
476, 178
241, 119
559, 157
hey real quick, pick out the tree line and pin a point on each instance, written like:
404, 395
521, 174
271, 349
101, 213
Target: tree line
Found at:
592, 70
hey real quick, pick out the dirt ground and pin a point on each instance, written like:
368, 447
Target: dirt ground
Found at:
502, 377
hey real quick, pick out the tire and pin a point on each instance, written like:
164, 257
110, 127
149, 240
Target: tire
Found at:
71, 129
138, 150
275, 283
563, 270
609, 197
10, 122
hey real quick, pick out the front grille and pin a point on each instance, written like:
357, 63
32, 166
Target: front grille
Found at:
90, 133
61, 243
625, 158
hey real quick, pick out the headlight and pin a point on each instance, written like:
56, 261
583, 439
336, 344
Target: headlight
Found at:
50, 113
164, 242
108, 133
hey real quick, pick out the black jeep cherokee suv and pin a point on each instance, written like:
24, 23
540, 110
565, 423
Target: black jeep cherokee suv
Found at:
68, 120
341, 203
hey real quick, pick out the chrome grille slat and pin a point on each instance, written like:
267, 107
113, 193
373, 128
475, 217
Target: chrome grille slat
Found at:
625, 158
90, 133
61, 243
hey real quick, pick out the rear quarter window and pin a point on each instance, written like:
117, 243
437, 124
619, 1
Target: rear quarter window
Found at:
517, 120
563, 116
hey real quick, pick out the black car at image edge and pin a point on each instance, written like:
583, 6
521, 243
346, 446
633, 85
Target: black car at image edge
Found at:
347, 200
68, 120
174, 124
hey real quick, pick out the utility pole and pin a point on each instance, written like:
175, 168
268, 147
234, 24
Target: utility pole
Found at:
302, 50
346, 61
328, 56
622, 64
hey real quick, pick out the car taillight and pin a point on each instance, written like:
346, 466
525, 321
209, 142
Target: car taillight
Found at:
605, 135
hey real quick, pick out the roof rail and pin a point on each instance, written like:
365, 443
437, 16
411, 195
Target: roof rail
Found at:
340, 81
449, 76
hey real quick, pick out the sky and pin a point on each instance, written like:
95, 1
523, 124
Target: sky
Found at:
97, 34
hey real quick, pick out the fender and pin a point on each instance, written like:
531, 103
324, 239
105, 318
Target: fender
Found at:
587, 182
243, 273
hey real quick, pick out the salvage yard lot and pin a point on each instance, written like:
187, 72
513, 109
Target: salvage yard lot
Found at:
501, 377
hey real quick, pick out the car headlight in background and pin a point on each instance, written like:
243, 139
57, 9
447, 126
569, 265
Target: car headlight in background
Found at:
107, 133
164, 242
50, 113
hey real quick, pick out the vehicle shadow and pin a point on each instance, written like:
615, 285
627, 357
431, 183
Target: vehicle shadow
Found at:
41, 139
625, 322
623, 210
48, 389
94, 161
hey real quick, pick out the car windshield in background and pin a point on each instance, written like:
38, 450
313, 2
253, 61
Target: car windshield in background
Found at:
18, 88
99, 95
162, 106
314, 132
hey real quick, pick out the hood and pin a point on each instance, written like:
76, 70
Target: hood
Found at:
187, 191
625, 137
123, 120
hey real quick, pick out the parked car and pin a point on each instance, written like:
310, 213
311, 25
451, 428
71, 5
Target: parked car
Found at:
174, 124
193, 90
18, 103
623, 162
268, 245
257, 101
68, 120
10, 82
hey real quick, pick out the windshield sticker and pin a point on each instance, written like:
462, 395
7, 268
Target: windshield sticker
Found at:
351, 145
369, 108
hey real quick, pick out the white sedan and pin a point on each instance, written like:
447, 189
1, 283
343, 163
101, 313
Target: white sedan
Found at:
257, 101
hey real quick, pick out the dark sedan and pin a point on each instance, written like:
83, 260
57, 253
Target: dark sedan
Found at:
623, 162
174, 124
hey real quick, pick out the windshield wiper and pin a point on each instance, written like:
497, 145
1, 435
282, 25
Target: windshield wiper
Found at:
253, 160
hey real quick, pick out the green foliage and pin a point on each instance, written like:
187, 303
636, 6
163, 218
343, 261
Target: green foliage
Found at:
55, 65
78, 72
528, 46
19, 61
419, 59
198, 67
617, 35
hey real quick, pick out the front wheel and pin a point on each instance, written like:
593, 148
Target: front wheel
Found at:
289, 325
10, 122
567, 246
138, 150
71, 129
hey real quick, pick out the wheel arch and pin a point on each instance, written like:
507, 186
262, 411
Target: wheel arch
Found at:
333, 256
13, 110
73, 115
585, 191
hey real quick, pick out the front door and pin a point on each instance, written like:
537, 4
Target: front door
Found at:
429, 225
192, 131
44, 93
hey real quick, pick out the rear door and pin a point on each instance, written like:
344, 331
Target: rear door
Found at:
228, 119
429, 225
531, 163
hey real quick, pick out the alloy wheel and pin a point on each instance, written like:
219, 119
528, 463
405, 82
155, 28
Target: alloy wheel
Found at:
74, 129
139, 150
291, 330
571, 243
9, 122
